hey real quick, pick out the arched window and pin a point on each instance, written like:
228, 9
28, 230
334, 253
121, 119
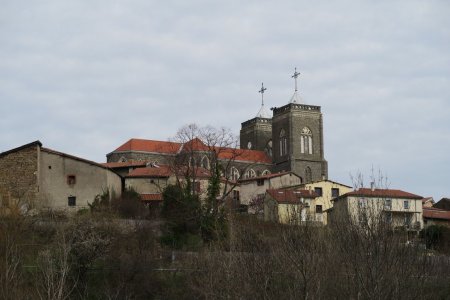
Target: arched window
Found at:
122, 159
268, 148
250, 173
265, 172
234, 174
306, 144
283, 142
205, 162
308, 174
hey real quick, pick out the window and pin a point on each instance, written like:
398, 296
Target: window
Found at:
388, 204
334, 192
283, 143
408, 218
265, 172
72, 201
306, 145
308, 174
260, 182
205, 162
388, 218
268, 148
196, 186
318, 191
362, 203
71, 179
318, 209
234, 174
250, 173
236, 195
406, 204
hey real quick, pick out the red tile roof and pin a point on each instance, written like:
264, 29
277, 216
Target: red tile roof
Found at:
244, 155
290, 196
436, 213
151, 197
149, 146
194, 145
160, 171
364, 192
125, 164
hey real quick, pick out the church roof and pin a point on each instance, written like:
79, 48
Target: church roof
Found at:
150, 146
195, 144
296, 99
263, 113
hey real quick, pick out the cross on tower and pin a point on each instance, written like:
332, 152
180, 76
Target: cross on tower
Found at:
262, 93
295, 77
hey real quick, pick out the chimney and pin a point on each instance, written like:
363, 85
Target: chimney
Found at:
372, 186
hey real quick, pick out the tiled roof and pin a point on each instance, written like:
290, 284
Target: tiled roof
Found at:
151, 197
436, 213
290, 196
364, 192
244, 155
126, 164
160, 171
195, 144
149, 146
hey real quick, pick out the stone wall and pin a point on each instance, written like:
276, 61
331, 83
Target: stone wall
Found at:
18, 177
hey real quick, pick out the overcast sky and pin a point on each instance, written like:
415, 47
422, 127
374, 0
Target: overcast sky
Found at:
83, 77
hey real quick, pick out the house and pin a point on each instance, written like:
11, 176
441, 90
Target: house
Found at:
326, 190
436, 216
288, 206
427, 202
253, 190
396, 207
32, 176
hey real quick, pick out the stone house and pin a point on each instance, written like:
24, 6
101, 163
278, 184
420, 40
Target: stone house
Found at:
32, 176
395, 207
288, 206
252, 190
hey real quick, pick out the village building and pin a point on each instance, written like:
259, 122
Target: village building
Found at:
398, 208
36, 177
289, 206
436, 216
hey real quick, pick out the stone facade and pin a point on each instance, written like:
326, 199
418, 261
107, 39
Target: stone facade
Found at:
256, 134
19, 176
296, 140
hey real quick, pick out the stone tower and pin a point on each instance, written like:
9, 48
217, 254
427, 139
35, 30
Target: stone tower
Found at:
297, 135
256, 133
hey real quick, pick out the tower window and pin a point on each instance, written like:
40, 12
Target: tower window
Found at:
306, 145
308, 174
283, 143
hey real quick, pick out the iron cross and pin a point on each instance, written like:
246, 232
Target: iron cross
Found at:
262, 93
295, 77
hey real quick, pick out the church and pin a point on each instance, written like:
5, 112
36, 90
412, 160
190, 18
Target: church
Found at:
286, 139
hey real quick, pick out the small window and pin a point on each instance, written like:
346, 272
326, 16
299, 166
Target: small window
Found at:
72, 201
334, 192
388, 204
197, 186
260, 182
362, 203
71, 179
49, 167
406, 204
318, 209
235, 195
318, 191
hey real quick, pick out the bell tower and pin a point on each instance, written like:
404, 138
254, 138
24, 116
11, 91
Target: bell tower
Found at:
297, 135
256, 133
